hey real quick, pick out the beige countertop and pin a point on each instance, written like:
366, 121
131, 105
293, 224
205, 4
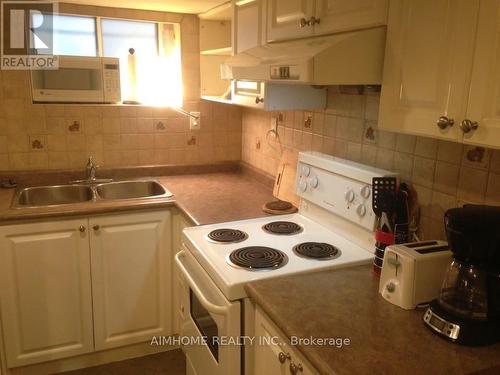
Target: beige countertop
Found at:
384, 339
206, 198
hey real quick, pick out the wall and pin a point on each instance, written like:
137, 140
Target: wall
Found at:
444, 174
38, 137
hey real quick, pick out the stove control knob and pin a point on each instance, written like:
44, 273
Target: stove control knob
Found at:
303, 185
306, 170
313, 182
349, 196
361, 210
365, 191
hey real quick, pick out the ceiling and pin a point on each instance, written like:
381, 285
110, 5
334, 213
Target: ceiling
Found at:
178, 6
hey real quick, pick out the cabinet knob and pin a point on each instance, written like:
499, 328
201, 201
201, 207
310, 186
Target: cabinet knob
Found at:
444, 122
82, 228
282, 357
314, 21
468, 125
96, 227
258, 100
303, 22
294, 369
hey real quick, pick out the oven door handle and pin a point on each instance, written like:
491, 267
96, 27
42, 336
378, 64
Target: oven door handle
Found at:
215, 309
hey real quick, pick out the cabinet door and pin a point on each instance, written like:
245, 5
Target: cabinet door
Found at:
45, 291
344, 15
427, 65
131, 277
484, 98
248, 23
284, 16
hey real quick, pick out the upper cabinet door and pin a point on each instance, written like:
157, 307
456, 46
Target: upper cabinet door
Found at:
131, 277
248, 24
45, 290
287, 19
484, 98
427, 66
343, 15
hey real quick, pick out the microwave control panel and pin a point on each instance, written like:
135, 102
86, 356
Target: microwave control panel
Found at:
111, 78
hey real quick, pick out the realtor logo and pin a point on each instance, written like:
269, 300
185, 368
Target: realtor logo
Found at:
27, 35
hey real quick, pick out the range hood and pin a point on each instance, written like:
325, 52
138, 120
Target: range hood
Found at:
351, 58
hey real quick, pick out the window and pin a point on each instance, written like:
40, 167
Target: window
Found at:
73, 35
153, 76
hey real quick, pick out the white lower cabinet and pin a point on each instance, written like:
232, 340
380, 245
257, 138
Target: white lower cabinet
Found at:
45, 291
273, 355
77, 286
130, 278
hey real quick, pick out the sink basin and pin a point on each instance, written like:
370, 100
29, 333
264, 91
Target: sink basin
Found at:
53, 195
132, 190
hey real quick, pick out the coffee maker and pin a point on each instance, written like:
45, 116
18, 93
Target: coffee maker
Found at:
467, 310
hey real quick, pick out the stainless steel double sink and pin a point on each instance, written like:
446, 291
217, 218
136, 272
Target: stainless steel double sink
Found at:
41, 196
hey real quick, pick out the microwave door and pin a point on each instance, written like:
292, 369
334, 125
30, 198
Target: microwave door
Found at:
75, 81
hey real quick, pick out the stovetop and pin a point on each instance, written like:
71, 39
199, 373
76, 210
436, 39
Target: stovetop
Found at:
231, 279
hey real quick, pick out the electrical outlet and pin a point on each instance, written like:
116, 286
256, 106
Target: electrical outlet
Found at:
195, 123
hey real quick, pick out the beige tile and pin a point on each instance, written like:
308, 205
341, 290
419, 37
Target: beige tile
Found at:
111, 142
130, 158
128, 125
94, 142
328, 145
111, 125
403, 165
350, 129
37, 142
385, 159
75, 142
372, 104
450, 152
446, 177
423, 171
330, 125
38, 160
353, 151
93, 125
17, 143
406, 143
112, 158
386, 140
56, 143
476, 157
55, 125
493, 189
369, 154
58, 160
370, 133
424, 199
19, 161
441, 203
318, 123
129, 141
472, 184
340, 148
495, 161
147, 157
3, 144
145, 125
426, 147
4, 162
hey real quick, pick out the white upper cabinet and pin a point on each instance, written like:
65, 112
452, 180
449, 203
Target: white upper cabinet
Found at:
291, 19
287, 19
341, 15
427, 66
131, 277
45, 291
248, 21
484, 99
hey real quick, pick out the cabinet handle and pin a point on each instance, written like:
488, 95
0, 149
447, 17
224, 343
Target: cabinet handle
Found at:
294, 369
468, 125
82, 228
314, 21
444, 122
282, 357
96, 227
258, 100
303, 23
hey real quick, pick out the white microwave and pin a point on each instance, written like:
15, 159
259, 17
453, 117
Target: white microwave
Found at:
78, 80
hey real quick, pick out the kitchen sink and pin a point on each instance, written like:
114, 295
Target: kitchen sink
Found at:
53, 195
132, 190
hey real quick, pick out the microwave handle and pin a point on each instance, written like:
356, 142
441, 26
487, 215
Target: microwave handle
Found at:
215, 309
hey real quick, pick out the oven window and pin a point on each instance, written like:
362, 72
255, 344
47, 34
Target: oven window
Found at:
205, 324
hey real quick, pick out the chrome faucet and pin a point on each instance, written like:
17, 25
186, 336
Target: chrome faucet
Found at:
91, 169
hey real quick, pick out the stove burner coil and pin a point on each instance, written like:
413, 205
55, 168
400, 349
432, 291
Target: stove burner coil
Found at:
257, 258
282, 228
227, 236
316, 250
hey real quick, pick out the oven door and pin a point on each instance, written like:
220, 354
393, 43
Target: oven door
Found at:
209, 315
77, 80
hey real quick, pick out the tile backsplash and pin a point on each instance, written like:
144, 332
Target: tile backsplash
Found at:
38, 137
444, 174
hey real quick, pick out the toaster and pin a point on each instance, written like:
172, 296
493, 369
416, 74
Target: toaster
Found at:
412, 273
